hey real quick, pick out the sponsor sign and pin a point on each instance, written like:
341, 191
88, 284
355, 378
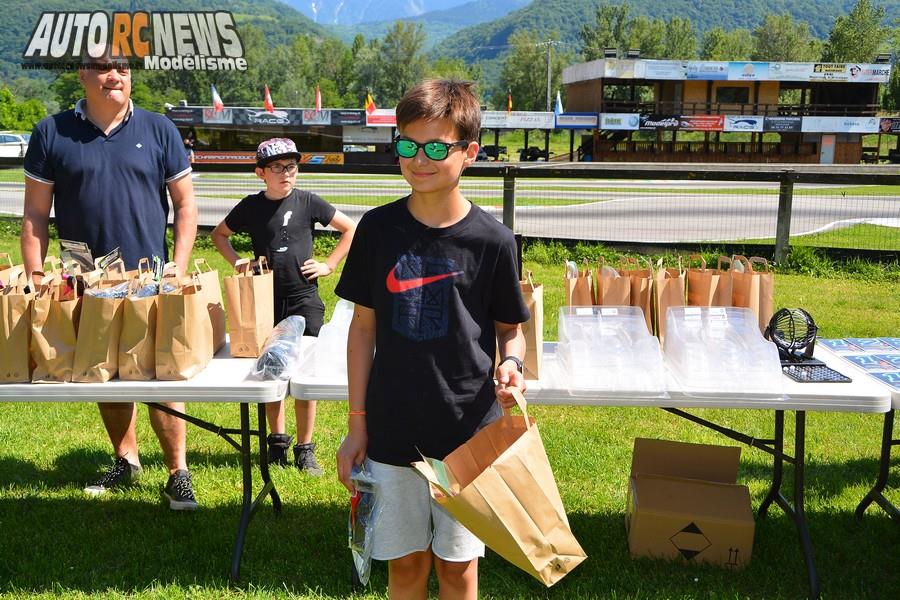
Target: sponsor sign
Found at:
321, 158
782, 124
748, 71
168, 41
783, 71
355, 134
311, 117
224, 156
743, 123
381, 117
260, 116
619, 68
517, 119
185, 115
829, 72
655, 121
702, 122
620, 121
665, 69
889, 125
869, 73
348, 117
840, 125
577, 121
224, 117
707, 70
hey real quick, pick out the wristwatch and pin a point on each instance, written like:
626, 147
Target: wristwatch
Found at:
518, 361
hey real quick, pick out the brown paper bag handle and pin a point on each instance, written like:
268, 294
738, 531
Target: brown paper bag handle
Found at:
73, 267
144, 266
529, 279
242, 266
55, 264
202, 261
117, 266
7, 257
723, 260
697, 257
15, 277
748, 268
520, 402
760, 261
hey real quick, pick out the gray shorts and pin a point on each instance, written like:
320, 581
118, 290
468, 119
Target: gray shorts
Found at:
411, 521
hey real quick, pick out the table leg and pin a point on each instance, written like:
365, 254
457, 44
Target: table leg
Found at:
246, 502
799, 512
777, 465
264, 460
876, 494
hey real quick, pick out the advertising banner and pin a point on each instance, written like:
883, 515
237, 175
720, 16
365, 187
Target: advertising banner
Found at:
260, 116
224, 117
783, 71
517, 119
782, 124
322, 158
577, 121
840, 125
620, 121
869, 73
665, 69
743, 123
707, 70
702, 122
829, 72
655, 121
748, 71
890, 125
184, 115
619, 69
381, 117
348, 117
354, 134
311, 117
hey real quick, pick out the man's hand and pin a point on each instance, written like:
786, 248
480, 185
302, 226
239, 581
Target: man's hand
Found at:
352, 452
508, 375
313, 269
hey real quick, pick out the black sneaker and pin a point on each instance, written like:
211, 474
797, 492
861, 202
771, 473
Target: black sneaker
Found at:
180, 491
278, 444
305, 459
122, 473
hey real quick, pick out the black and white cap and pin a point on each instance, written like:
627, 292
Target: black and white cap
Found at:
275, 149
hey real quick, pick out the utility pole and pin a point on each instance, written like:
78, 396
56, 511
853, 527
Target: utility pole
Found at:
549, 46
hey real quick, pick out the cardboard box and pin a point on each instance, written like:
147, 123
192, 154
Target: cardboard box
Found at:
683, 503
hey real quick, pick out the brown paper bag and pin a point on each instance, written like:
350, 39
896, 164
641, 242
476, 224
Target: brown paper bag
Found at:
15, 327
708, 287
54, 328
668, 291
499, 485
212, 291
251, 307
184, 336
612, 289
579, 289
766, 291
754, 289
97, 345
641, 288
6, 263
533, 328
137, 343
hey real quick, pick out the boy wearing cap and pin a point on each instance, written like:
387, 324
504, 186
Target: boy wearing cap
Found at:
280, 221
435, 283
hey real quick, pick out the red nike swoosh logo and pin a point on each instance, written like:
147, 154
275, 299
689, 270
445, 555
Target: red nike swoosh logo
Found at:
397, 286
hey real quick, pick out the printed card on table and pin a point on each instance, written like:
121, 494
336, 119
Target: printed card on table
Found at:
840, 346
893, 341
868, 362
892, 378
871, 344
890, 362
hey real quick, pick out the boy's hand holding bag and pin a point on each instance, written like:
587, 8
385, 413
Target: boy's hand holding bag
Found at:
251, 307
499, 485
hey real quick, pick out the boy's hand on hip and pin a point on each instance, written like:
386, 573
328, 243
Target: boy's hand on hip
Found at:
508, 376
313, 269
352, 452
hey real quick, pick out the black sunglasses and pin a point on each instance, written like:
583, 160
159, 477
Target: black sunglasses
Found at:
406, 148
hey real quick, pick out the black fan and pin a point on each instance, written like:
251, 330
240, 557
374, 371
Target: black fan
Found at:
793, 332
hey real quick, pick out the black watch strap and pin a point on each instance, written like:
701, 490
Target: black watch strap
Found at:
518, 361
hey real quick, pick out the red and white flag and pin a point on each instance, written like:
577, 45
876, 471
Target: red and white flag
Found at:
318, 100
267, 101
217, 100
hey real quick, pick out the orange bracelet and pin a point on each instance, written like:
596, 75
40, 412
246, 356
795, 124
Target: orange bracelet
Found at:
356, 412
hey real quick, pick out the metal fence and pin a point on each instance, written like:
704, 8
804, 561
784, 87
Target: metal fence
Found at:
850, 207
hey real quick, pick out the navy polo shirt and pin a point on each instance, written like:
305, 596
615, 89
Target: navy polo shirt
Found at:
109, 190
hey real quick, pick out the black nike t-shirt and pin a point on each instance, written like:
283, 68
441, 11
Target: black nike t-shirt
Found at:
281, 230
436, 293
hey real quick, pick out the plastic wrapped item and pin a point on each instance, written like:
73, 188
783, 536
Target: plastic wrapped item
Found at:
152, 289
716, 350
364, 511
280, 357
608, 348
331, 347
116, 291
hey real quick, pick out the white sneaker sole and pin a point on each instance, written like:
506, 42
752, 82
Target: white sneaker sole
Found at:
180, 504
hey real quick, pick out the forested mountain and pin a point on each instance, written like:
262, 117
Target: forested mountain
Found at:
566, 18
438, 24
279, 23
351, 12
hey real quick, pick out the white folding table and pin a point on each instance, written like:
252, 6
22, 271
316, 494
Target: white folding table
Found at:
862, 395
225, 379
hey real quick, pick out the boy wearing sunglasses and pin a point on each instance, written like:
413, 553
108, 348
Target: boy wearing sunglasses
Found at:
280, 221
435, 284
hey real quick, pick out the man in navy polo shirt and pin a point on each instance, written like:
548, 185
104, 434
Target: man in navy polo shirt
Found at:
105, 167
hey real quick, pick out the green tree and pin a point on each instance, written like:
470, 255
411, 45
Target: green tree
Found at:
780, 38
718, 44
524, 71
67, 89
454, 68
609, 30
681, 41
858, 36
19, 115
401, 62
366, 71
647, 35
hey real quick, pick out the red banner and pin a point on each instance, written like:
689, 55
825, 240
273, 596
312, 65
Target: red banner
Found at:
702, 122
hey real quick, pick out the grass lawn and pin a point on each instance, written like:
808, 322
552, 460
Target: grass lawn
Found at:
861, 237
56, 543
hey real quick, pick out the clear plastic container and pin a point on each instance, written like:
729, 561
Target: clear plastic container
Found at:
720, 350
331, 347
608, 348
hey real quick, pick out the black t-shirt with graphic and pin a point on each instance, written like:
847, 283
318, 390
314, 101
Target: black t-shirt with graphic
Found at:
281, 230
436, 293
